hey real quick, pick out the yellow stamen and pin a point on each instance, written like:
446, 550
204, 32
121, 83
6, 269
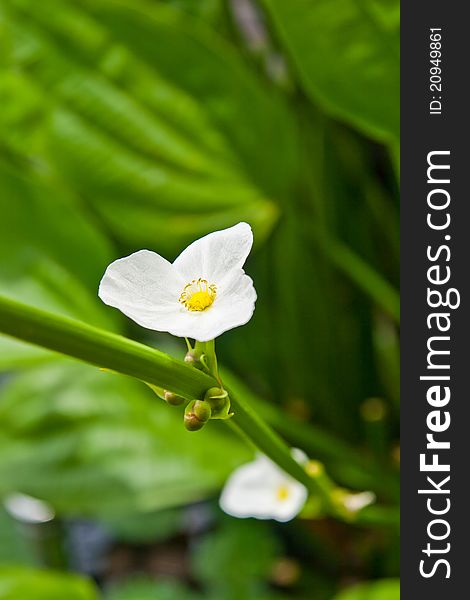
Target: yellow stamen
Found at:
282, 493
198, 295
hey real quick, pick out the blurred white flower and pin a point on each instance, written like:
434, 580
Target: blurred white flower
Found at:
260, 489
27, 509
356, 502
203, 293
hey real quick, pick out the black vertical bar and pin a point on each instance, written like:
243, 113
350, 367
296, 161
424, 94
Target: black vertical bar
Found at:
423, 131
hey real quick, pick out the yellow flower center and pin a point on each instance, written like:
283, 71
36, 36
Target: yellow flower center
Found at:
198, 295
282, 493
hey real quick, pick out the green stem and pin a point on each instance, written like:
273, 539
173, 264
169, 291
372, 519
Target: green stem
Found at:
188, 344
103, 349
212, 361
209, 360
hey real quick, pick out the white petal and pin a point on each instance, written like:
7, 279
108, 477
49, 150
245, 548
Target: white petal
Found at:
232, 307
145, 287
286, 510
250, 492
213, 256
253, 491
28, 509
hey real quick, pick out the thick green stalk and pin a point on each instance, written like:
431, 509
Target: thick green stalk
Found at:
107, 350
101, 348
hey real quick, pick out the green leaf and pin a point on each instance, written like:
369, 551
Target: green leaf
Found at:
177, 132
209, 10
346, 53
211, 72
149, 589
44, 235
250, 546
95, 443
354, 267
14, 548
23, 111
34, 584
385, 589
17, 355
51, 256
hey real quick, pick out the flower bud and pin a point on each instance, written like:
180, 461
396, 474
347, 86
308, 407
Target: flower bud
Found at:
202, 410
192, 423
173, 399
315, 468
196, 415
193, 358
216, 397
358, 501
219, 402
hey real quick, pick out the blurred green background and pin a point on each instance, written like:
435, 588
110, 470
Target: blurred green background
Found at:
129, 124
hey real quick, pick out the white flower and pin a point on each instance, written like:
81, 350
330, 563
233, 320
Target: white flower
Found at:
260, 489
202, 294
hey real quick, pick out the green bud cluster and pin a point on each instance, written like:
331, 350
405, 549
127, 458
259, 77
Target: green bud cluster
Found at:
196, 415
